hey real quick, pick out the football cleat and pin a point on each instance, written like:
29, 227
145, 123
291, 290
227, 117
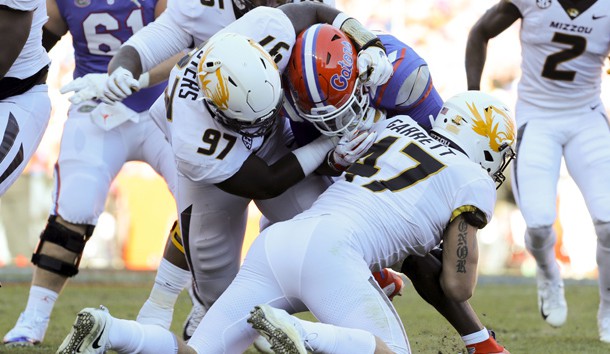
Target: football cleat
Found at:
194, 317
552, 302
28, 331
282, 331
89, 334
489, 346
390, 281
603, 324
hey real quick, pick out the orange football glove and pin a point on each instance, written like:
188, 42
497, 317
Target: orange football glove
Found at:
390, 281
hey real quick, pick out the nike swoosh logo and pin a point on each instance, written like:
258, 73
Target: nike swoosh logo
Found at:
96, 343
80, 345
544, 316
594, 107
597, 17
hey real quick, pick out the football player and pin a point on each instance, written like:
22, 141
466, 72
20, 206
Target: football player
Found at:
372, 217
183, 25
25, 107
177, 29
97, 140
559, 113
230, 147
319, 96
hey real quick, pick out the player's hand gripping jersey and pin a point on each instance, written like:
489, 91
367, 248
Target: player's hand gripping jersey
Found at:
564, 59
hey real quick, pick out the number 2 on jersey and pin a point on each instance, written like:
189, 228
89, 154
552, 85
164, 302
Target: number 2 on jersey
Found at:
577, 45
426, 166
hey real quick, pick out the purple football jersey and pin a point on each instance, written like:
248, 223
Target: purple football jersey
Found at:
98, 29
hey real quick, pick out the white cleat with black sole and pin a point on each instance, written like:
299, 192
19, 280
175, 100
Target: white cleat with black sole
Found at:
282, 331
89, 334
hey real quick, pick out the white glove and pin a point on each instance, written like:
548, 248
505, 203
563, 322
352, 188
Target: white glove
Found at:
88, 87
374, 67
119, 85
350, 148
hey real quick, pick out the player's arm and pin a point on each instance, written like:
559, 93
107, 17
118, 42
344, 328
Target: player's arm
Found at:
55, 27
15, 28
128, 56
153, 44
493, 22
159, 41
258, 180
461, 255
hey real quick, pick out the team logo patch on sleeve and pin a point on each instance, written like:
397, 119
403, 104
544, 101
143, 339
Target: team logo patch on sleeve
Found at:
543, 4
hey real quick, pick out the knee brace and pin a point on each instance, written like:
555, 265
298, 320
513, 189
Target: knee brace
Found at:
602, 229
540, 237
60, 235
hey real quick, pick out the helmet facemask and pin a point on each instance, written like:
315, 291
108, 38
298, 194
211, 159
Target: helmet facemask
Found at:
331, 120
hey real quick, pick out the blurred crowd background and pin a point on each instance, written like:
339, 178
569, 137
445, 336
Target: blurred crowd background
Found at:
140, 210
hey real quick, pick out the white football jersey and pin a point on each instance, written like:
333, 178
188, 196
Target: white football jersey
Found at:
204, 149
411, 185
183, 25
564, 45
33, 56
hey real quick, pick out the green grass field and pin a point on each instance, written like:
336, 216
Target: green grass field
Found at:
506, 306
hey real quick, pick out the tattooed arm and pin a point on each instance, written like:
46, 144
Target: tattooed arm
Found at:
460, 258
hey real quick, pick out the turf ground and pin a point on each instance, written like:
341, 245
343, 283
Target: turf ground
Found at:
506, 305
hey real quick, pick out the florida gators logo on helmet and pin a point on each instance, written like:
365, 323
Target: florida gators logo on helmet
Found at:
323, 79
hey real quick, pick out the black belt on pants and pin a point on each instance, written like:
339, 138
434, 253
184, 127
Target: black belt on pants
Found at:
12, 86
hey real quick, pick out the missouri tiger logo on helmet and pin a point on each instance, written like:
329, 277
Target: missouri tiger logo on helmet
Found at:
240, 83
482, 127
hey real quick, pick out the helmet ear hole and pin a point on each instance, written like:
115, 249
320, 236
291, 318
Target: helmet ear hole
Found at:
488, 156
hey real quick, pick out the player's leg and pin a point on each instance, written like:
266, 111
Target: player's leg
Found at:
213, 225
335, 283
89, 160
424, 273
171, 278
24, 119
587, 158
223, 330
535, 177
173, 275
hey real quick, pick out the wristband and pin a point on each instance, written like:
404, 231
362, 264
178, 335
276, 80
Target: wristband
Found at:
144, 80
313, 154
361, 37
340, 19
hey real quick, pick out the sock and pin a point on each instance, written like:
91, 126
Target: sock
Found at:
476, 337
326, 338
159, 307
540, 242
132, 337
41, 301
603, 266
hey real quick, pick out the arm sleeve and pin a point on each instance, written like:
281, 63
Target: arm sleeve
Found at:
21, 5
159, 41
